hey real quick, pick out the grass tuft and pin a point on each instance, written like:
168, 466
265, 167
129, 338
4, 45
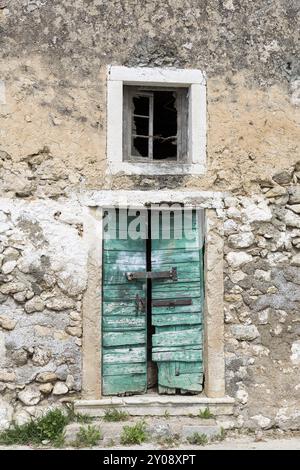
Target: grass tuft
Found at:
198, 439
205, 414
74, 417
48, 427
221, 436
87, 436
113, 415
135, 434
169, 441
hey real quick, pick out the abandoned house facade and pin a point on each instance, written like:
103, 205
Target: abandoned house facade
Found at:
150, 209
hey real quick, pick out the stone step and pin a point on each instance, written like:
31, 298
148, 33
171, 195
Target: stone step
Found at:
210, 431
157, 429
158, 405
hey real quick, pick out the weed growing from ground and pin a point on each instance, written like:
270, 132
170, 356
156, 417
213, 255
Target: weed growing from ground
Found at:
198, 439
205, 414
87, 436
135, 434
48, 427
113, 415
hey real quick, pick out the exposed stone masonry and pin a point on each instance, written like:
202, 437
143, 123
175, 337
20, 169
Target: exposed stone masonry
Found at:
53, 60
43, 277
262, 302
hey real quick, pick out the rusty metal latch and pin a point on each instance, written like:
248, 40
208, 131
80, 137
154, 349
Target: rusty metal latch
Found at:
141, 275
171, 302
141, 303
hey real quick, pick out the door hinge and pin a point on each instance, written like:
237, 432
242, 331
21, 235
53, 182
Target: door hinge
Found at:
141, 275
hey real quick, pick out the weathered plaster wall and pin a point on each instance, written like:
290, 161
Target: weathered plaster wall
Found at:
43, 258
52, 55
52, 148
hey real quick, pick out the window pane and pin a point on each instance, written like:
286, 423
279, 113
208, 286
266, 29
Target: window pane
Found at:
165, 149
140, 126
165, 125
140, 147
141, 105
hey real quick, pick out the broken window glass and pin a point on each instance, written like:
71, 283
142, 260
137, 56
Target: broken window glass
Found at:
155, 123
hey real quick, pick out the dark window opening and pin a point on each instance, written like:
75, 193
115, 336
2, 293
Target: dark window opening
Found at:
141, 105
140, 147
165, 125
155, 124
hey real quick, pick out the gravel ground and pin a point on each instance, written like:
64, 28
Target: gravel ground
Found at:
241, 443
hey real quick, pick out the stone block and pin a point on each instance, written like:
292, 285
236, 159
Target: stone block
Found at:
209, 430
245, 332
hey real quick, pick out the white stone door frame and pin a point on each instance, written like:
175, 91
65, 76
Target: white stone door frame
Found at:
96, 201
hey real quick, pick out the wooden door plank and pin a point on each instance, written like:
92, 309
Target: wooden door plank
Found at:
177, 348
121, 384
124, 355
191, 382
177, 338
189, 367
174, 244
166, 390
116, 274
182, 355
119, 308
195, 307
176, 319
125, 245
124, 258
167, 256
125, 369
183, 268
181, 277
123, 323
123, 292
124, 338
177, 286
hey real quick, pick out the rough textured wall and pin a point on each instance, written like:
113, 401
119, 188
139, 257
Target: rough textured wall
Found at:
52, 146
262, 303
51, 59
43, 258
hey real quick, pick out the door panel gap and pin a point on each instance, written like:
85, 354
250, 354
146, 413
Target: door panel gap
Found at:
152, 372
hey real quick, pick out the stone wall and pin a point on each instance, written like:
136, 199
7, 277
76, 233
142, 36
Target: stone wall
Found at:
44, 266
262, 302
43, 258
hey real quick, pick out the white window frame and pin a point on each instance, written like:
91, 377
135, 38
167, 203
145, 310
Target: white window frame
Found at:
194, 80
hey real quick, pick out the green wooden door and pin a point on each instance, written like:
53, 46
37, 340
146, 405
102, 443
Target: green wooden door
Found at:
123, 324
177, 342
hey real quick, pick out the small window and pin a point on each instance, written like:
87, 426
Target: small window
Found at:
156, 121
155, 124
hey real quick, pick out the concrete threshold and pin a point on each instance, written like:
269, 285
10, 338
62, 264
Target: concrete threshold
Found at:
157, 405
